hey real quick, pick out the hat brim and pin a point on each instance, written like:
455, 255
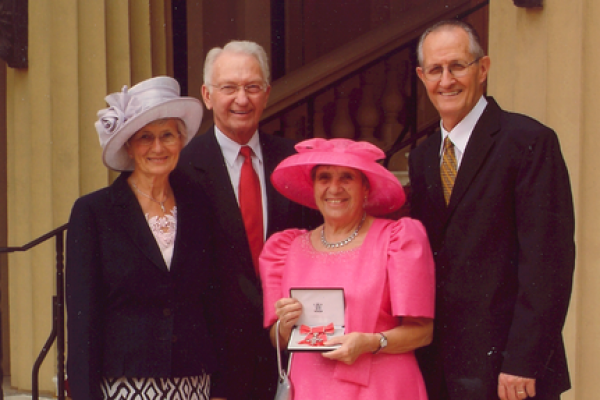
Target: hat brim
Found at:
292, 178
188, 109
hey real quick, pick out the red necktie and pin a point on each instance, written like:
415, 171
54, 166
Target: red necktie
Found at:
250, 198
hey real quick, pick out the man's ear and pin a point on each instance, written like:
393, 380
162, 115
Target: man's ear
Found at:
206, 97
267, 92
420, 74
484, 68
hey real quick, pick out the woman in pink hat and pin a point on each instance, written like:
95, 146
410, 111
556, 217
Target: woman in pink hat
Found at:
385, 268
137, 259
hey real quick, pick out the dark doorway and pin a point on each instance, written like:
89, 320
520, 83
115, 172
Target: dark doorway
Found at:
180, 53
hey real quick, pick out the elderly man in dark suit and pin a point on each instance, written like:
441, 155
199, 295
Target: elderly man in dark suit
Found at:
493, 192
236, 87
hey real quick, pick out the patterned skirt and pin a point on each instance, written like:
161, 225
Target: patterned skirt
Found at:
186, 388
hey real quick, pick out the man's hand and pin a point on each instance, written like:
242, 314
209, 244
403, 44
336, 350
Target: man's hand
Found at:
512, 387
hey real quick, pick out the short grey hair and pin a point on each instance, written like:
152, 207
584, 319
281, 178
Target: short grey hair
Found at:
475, 47
239, 47
181, 128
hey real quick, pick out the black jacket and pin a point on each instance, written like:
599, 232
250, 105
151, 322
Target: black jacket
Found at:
244, 340
128, 315
504, 253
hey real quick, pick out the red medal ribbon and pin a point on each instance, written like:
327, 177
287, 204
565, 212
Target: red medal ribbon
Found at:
316, 335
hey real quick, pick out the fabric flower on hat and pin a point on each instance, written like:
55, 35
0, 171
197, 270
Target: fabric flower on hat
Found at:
122, 107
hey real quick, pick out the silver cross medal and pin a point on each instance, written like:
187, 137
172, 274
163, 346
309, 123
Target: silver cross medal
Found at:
315, 339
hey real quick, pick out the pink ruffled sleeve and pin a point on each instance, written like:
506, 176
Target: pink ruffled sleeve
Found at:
411, 270
272, 262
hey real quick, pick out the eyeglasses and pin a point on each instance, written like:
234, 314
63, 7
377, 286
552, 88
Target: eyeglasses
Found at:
148, 139
230, 88
457, 69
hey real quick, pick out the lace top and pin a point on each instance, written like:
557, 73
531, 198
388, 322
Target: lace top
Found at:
164, 229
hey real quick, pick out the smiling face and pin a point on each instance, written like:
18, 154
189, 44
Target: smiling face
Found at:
155, 148
453, 97
236, 115
340, 193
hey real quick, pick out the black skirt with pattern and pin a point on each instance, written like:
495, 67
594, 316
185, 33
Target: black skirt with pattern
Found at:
185, 388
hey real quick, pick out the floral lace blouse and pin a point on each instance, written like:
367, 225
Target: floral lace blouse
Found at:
164, 229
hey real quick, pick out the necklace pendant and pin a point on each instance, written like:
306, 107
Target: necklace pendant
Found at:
146, 195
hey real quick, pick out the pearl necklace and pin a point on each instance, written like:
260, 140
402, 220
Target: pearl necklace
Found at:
345, 241
161, 203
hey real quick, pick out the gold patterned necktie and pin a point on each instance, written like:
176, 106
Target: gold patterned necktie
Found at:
448, 168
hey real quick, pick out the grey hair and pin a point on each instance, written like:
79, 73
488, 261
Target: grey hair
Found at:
475, 47
239, 47
181, 128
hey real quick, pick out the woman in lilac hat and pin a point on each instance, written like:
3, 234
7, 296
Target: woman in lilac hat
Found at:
137, 258
385, 268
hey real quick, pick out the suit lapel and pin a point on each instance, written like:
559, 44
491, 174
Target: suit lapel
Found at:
210, 163
185, 205
129, 214
476, 153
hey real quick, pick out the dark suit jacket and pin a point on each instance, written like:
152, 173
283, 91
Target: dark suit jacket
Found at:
250, 370
128, 315
504, 256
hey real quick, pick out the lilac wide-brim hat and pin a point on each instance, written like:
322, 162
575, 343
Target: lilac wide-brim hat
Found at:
132, 109
292, 177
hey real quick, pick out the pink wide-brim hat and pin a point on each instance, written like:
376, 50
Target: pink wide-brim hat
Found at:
292, 177
132, 109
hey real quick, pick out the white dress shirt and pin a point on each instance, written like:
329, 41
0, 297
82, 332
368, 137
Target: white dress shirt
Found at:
461, 133
234, 162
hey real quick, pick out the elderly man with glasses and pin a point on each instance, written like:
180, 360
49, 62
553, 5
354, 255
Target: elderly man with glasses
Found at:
231, 164
493, 192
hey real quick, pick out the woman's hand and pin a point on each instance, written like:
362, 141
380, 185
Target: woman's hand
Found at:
288, 310
353, 345
412, 333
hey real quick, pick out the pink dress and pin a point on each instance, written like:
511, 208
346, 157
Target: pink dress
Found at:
391, 274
